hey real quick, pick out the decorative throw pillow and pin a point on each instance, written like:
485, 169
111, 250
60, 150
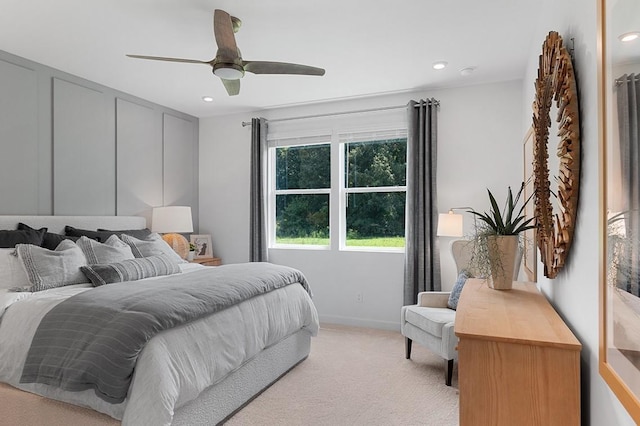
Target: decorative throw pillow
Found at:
131, 270
9, 238
52, 268
137, 233
113, 250
50, 240
94, 235
11, 272
454, 296
153, 245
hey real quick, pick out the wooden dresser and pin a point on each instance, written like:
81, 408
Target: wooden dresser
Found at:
519, 364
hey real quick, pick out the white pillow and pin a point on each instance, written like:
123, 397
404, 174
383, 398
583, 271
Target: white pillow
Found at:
153, 245
12, 273
52, 268
113, 250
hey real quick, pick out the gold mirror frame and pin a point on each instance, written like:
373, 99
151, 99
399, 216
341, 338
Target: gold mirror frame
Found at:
621, 376
556, 83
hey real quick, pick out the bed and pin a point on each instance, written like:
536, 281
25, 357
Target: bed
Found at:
200, 372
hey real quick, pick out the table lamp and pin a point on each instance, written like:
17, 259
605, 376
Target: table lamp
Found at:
170, 221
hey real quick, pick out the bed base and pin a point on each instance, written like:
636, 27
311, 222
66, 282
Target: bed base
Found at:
213, 406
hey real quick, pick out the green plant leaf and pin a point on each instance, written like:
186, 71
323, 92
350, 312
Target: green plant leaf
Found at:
499, 224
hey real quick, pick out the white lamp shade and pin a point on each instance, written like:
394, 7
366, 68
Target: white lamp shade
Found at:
449, 225
171, 219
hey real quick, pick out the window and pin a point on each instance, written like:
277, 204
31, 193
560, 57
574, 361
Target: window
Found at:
375, 171
303, 185
343, 190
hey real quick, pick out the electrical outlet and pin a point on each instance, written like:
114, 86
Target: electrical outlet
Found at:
360, 298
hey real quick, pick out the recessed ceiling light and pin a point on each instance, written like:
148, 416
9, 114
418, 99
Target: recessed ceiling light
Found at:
629, 36
467, 71
439, 65
207, 98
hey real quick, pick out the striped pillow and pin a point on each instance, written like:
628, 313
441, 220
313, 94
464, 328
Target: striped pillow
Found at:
130, 270
111, 251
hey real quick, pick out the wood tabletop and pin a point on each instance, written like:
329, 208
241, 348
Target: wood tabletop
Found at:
519, 315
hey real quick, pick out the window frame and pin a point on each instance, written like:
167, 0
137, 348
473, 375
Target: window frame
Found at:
337, 191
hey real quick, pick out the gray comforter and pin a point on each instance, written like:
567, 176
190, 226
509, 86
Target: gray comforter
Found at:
92, 340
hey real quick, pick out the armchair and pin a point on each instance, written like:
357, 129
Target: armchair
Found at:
431, 322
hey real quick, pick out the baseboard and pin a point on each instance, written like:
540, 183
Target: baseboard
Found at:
360, 322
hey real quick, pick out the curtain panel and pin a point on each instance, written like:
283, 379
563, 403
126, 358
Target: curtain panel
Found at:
628, 98
422, 255
258, 220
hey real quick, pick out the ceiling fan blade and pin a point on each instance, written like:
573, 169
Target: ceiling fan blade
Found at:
264, 67
223, 31
162, 58
232, 86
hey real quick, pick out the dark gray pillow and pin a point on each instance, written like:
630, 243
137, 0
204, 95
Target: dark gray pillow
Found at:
138, 233
51, 240
26, 235
130, 270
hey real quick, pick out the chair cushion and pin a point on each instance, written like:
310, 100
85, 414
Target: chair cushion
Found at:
431, 320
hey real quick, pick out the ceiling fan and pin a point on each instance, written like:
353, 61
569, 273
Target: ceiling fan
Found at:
228, 63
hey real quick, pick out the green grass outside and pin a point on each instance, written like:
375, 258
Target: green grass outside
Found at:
362, 242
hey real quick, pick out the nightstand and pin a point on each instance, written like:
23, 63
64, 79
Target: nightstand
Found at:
208, 261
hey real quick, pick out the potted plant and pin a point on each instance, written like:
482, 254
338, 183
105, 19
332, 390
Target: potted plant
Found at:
497, 237
192, 252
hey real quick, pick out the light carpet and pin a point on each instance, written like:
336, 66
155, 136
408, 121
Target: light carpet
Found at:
358, 376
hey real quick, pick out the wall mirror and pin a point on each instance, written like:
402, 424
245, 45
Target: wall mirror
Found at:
556, 153
620, 200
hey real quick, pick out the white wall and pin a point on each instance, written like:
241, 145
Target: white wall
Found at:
574, 293
479, 146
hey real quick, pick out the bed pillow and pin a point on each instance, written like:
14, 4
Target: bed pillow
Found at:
153, 245
130, 270
12, 273
137, 233
50, 240
113, 250
100, 236
52, 268
454, 296
9, 238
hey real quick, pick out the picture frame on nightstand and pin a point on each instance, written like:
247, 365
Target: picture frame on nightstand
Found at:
203, 245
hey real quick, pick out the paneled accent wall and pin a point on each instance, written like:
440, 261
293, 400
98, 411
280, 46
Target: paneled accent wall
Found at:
69, 146
84, 155
178, 151
19, 133
139, 158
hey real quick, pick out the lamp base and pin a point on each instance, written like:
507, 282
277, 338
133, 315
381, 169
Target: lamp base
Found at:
178, 243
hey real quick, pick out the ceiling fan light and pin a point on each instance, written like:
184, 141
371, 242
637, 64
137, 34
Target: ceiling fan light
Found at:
229, 72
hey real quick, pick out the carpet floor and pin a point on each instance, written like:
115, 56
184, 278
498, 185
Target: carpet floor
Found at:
358, 376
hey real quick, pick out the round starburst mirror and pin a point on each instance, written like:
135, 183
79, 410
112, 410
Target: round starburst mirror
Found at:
556, 197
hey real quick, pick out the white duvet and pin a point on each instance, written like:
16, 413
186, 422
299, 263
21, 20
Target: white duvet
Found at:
175, 365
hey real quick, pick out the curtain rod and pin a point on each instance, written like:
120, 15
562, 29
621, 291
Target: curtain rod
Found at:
330, 114
621, 80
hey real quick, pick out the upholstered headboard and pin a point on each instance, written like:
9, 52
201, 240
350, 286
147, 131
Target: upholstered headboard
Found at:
56, 224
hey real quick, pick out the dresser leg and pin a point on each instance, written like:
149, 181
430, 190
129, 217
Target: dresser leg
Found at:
449, 371
407, 347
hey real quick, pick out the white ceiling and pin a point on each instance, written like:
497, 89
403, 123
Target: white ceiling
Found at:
367, 47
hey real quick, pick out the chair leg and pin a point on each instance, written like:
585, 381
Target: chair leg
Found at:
448, 371
407, 347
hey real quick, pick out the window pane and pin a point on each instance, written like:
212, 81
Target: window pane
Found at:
376, 219
303, 167
302, 219
376, 163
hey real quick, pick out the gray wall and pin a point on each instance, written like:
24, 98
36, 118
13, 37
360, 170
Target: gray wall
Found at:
69, 146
